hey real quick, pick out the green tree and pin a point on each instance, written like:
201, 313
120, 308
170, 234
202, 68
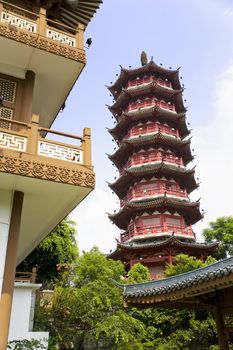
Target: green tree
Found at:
184, 263
168, 329
221, 231
26, 345
89, 308
58, 248
138, 273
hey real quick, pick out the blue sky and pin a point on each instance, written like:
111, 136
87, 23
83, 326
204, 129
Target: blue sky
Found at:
196, 35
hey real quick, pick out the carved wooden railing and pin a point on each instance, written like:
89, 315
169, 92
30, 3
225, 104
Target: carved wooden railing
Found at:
26, 277
28, 138
38, 23
156, 230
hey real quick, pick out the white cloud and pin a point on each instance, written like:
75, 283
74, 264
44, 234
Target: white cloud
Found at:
93, 225
214, 145
228, 12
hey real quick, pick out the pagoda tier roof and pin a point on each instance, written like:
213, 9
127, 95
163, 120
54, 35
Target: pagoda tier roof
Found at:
128, 146
196, 289
126, 95
151, 67
189, 210
126, 120
155, 245
186, 177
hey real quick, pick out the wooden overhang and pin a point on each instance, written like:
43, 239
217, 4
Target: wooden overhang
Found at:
67, 12
189, 210
151, 67
181, 175
126, 120
156, 245
208, 288
193, 289
126, 95
158, 139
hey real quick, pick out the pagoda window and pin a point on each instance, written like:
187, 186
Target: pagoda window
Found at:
175, 221
151, 221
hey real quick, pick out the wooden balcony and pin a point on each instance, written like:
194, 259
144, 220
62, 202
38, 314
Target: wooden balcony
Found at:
150, 102
151, 128
140, 159
37, 30
156, 230
147, 80
54, 176
34, 154
26, 277
160, 191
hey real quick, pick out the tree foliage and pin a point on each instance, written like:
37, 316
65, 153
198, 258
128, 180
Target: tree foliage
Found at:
58, 248
88, 313
184, 263
138, 273
90, 308
221, 231
26, 344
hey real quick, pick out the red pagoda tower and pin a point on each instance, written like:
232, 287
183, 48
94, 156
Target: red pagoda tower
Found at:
151, 133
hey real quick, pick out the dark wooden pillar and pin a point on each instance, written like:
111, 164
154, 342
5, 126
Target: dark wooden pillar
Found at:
222, 341
9, 271
27, 97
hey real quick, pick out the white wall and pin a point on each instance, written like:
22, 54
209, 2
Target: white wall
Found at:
23, 312
5, 215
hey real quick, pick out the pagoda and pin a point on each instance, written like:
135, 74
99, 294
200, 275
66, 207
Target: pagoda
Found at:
153, 150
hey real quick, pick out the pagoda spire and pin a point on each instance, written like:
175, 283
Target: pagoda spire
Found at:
144, 60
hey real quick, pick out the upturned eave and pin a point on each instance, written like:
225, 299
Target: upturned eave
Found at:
189, 210
125, 120
157, 140
151, 67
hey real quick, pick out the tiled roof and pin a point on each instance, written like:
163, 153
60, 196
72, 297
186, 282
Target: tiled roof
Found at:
120, 186
174, 241
151, 67
189, 210
126, 119
181, 147
80, 13
196, 278
126, 95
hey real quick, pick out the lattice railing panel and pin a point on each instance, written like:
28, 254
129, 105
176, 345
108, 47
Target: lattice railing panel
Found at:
8, 90
18, 22
59, 152
13, 142
63, 38
6, 113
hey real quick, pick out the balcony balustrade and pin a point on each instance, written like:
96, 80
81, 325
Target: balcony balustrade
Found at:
139, 159
151, 128
39, 25
146, 193
28, 138
150, 102
26, 277
142, 232
147, 80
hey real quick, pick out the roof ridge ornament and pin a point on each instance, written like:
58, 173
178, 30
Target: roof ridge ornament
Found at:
144, 60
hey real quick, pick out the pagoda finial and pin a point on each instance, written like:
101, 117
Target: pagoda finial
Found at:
143, 58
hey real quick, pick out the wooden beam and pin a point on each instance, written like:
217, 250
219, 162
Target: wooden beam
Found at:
222, 341
9, 271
